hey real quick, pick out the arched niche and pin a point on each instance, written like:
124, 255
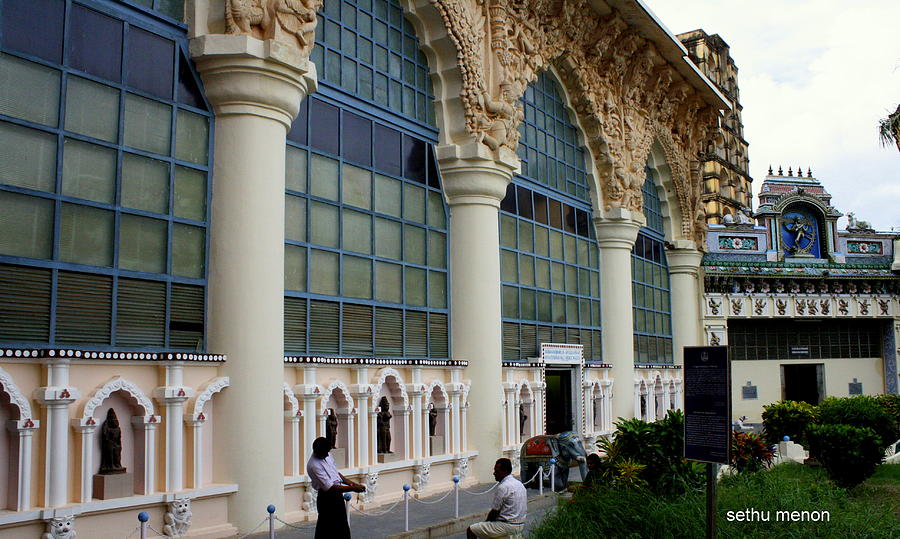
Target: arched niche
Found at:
437, 412
659, 400
597, 406
802, 230
336, 407
17, 427
667, 187
526, 402
204, 423
391, 390
293, 436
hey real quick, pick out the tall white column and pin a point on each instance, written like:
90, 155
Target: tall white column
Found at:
684, 278
197, 450
172, 395
86, 434
293, 421
145, 450
309, 426
616, 236
23, 429
255, 88
56, 397
362, 426
416, 394
474, 187
512, 414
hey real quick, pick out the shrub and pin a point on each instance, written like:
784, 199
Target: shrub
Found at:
849, 454
787, 418
891, 405
749, 453
859, 411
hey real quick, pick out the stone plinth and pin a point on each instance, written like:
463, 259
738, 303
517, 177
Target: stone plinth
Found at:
436, 445
339, 454
118, 485
389, 457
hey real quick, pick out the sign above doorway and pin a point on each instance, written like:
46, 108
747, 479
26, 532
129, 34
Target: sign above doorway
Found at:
562, 354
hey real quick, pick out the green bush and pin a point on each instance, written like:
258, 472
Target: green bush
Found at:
859, 411
787, 418
891, 405
849, 454
749, 453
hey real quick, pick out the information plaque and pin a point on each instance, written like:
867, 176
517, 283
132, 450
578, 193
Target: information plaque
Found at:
707, 404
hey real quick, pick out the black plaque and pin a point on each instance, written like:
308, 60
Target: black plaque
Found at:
707, 404
856, 388
749, 392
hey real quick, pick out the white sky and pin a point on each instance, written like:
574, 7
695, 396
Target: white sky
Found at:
815, 76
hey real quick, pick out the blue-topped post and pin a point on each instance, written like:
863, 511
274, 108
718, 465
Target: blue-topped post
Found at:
456, 496
406, 506
143, 517
271, 510
552, 474
347, 497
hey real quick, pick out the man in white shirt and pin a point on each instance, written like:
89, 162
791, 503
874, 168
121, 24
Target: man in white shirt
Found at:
325, 478
507, 514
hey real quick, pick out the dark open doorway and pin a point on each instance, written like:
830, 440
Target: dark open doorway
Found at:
804, 382
559, 400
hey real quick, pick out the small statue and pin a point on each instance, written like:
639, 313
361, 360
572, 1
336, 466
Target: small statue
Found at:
854, 224
384, 426
779, 287
432, 420
60, 528
331, 427
111, 445
764, 287
744, 217
523, 417
728, 219
178, 518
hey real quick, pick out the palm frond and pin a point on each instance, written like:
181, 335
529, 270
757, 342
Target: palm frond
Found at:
889, 129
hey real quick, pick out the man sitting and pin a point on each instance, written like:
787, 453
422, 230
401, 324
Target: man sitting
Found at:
507, 514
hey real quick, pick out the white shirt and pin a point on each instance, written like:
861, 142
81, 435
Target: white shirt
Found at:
511, 500
323, 473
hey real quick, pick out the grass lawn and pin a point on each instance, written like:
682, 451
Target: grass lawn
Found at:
871, 510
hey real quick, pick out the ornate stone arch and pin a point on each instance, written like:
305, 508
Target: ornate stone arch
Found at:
292, 399
389, 372
117, 384
442, 390
212, 387
523, 383
16, 397
681, 198
337, 384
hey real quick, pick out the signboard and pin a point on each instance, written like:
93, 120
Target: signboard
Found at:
855, 387
799, 350
562, 354
749, 392
707, 404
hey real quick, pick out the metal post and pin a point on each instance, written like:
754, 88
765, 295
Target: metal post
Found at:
347, 497
271, 510
456, 496
406, 508
711, 500
143, 517
553, 475
541, 480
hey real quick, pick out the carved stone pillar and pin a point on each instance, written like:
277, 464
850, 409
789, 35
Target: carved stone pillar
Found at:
172, 396
362, 394
684, 276
56, 397
24, 430
255, 88
616, 236
86, 434
474, 186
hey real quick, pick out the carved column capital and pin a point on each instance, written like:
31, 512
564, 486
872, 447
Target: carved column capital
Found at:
684, 260
469, 177
618, 231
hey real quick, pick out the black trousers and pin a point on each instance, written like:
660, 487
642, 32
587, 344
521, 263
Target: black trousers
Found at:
332, 523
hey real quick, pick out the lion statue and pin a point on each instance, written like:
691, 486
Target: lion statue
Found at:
60, 528
178, 518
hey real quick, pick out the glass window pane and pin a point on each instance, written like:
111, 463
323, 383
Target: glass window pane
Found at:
323, 181
526, 236
26, 226
542, 273
357, 278
556, 245
559, 309
92, 109
28, 91
414, 203
323, 275
151, 66
387, 195
142, 244
569, 242
526, 270
437, 249
571, 280
33, 27
414, 244
192, 137
509, 266
357, 186
323, 224
388, 282
295, 268
295, 218
387, 238
437, 289
147, 124
541, 241
436, 216
95, 43
557, 276
145, 183
295, 169
86, 235
357, 231
508, 231
27, 157
188, 250
510, 302
89, 171
527, 304
415, 286
190, 193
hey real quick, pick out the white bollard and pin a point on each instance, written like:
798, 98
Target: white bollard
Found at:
347, 497
553, 475
456, 496
541, 480
406, 507
143, 517
271, 511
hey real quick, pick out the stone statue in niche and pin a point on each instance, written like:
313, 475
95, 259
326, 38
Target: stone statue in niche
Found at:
111, 445
523, 417
331, 427
384, 426
432, 420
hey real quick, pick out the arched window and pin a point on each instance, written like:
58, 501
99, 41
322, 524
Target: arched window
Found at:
550, 266
650, 284
104, 177
366, 244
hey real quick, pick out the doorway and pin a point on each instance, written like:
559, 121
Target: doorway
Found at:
805, 382
559, 400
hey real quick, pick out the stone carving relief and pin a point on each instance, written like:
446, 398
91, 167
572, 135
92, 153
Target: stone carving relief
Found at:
117, 384
714, 306
758, 306
736, 306
825, 305
883, 305
60, 528
844, 307
421, 475
781, 305
461, 468
371, 482
178, 518
291, 22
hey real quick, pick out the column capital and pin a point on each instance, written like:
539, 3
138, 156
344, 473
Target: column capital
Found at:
172, 394
244, 75
617, 231
56, 396
472, 178
684, 260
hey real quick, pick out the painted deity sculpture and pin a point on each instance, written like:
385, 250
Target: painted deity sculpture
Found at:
111, 445
384, 426
566, 447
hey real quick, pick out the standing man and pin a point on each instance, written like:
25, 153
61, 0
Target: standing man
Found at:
507, 514
325, 478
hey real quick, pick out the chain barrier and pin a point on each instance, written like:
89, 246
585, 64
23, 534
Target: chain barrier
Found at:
538, 472
134, 531
389, 509
251, 532
307, 526
479, 493
442, 498
158, 534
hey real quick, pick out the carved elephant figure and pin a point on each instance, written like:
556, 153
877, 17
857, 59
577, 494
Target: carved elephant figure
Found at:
537, 451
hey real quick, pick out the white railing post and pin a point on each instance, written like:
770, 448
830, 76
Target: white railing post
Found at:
271, 511
553, 474
347, 497
541, 480
406, 508
143, 517
456, 496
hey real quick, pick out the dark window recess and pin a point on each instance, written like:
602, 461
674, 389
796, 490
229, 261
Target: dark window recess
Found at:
356, 135
387, 150
582, 223
33, 27
556, 214
24, 304
186, 317
298, 131
83, 308
389, 332
822, 339
141, 313
150, 66
523, 197
325, 127
95, 43
569, 212
188, 87
414, 159
356, 330
508, 203
541, 214
295, 325
434, 179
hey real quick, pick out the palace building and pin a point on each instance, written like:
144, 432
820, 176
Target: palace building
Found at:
244, 224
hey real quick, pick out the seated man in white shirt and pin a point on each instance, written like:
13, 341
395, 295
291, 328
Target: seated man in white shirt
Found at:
507, 515
325, 478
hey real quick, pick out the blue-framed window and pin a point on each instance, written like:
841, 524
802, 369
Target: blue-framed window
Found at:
549, 260
173, 9
366, 233
651, 296
104, 178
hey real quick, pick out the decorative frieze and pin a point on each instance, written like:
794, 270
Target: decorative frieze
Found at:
865, 247
738, 243
374, 362
800, 305
71, 354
